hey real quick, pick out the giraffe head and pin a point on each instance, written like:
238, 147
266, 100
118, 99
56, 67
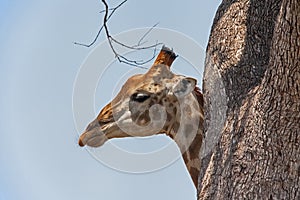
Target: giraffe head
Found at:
148, 104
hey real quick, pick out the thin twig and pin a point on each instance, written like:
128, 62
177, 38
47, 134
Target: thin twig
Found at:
144, 36
135, 47
115, 8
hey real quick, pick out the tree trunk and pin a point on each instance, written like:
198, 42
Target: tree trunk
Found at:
251, 148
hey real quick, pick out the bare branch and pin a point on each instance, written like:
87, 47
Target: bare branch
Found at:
108, 12
105, 21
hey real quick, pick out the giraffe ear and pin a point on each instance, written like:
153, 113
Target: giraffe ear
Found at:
184, 86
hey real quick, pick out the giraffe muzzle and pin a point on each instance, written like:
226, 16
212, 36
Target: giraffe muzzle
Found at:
93, 135
92, 138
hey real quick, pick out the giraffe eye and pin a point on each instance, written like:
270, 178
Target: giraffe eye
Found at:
140, 97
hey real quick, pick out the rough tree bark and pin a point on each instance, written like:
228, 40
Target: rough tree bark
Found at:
252, 80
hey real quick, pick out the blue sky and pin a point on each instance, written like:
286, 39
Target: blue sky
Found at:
39, 155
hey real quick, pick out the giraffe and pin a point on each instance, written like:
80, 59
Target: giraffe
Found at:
157, 102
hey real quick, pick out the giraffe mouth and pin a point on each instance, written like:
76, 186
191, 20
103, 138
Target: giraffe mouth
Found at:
92, 138
94, 135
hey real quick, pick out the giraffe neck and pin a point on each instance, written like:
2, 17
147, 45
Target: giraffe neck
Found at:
192, 160
187, 132
190, 155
